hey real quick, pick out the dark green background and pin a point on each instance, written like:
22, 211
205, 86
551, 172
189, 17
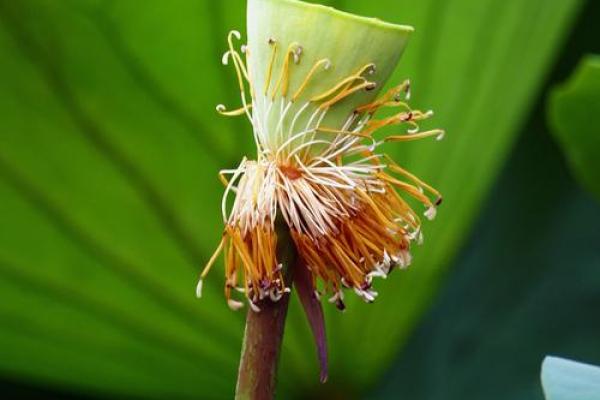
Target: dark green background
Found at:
524, 283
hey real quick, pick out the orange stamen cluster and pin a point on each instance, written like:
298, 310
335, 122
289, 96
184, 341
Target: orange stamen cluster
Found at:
341, 200
367, 244
254, 254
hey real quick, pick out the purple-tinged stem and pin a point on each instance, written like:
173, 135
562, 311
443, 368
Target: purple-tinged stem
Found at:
260, 351
314, 312
264, 333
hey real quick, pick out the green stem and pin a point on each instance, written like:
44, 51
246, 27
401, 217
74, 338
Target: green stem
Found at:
264, 333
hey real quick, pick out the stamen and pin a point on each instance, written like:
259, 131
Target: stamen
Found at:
369, 69
291, 139
430, 213
326, 65
438, 133
273, 44
408, 117
221, 109
208, 266
225, 58
236, 175
238, 63
234, 304
295, 119
396, 168
199, 288
294, 50
240, 70
390, 98
223, 179
344, 82
347, 92
308, 144
408, 188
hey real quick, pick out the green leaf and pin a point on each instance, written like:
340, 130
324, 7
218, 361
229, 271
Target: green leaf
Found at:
109, 150
574, 113
569, 380
492, 312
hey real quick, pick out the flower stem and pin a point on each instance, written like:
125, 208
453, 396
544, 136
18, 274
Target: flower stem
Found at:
264, 333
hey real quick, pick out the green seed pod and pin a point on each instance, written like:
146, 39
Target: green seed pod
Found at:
309, 56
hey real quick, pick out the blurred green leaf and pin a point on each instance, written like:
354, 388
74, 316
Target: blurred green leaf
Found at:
518, 290
574, 113
569, 380
109, 149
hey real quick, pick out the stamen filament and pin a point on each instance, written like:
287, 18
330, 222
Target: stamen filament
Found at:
367, 85
273, 44
293, 51
326, 65
398, 169
233, 113
208, 266
327, 93
439, 133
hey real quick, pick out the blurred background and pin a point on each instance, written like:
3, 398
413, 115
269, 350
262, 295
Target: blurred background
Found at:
109, 206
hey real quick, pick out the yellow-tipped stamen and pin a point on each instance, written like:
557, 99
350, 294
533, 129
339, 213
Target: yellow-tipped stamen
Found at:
233, 113
388, 99
273, 44
410, 117
347, 92
438, 133
366, 69
393, 166
326, 65
237, 61
242, 66
408, 188
293, 52
208, 266
240, 70
349, 80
